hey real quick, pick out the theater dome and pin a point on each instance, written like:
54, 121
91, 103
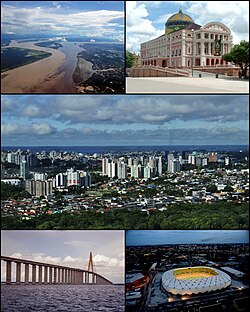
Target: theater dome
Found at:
178, 21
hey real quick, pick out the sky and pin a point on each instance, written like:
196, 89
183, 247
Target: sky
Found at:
57, 18
139, 238
123, 120
69, 248
146, 20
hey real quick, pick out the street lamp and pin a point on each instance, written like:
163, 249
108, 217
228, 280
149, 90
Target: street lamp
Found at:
192, 63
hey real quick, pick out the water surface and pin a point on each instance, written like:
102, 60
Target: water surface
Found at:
62, 298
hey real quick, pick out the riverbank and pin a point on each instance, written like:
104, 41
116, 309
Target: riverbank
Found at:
39, 77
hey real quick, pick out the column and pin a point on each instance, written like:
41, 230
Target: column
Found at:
40, 268
202, 58
63, 276
87, 277
183, 47
59, 275
55, 275
45, 277
26, 274
73, 276
70, 276
18, 272
50, 275
33, 274
8, 272
98, 280
209, 48
66, 276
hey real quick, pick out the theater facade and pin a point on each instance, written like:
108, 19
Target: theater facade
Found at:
186, 44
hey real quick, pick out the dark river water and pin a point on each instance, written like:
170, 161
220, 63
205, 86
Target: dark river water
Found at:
62, 298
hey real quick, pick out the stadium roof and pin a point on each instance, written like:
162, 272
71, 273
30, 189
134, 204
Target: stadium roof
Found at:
213, 280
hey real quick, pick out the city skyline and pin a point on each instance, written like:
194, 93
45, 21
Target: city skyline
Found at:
146, 19
124, 120
68, 248
63, 18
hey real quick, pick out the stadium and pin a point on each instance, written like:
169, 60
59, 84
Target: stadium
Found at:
194, 280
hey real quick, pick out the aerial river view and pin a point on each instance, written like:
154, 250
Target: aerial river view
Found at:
61, 72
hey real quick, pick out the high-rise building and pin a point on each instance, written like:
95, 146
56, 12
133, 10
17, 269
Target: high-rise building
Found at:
24, 170
170, 159
85, 178
39, 188
105, 163
160, 165
174, 166
122, 170
212, 157
40, 176
148, 172
137, 171
61, 180
73, 177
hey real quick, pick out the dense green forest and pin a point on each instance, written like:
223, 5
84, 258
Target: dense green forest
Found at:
13, 191
15, 57
193, 216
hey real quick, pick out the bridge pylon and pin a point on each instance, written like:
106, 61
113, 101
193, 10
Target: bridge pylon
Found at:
90, 263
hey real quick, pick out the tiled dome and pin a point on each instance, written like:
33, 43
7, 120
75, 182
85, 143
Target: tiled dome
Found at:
178, 21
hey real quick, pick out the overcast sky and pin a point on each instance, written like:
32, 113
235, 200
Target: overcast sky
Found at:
56, 18
104, 120
69, 248
152, 237
146, 19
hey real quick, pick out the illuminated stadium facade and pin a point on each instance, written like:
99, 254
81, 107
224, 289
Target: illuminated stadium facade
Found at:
194, 280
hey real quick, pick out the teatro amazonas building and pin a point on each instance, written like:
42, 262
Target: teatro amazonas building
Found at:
186, 44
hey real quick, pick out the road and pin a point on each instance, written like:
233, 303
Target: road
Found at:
208, 84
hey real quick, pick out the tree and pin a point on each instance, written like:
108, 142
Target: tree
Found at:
129, 59
239, 55
212, 188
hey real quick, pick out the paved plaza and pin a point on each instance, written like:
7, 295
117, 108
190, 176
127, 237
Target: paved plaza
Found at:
186, 85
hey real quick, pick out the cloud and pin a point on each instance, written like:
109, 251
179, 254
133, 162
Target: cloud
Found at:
37, 129
104, 261
125, 120
146, 19
118, 110
154, 136
138, 27
58, 20
235, 15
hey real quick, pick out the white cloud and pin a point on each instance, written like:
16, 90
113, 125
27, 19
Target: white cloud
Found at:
139, 28
121, 110
234, 14
105, 261
38, 129
38, 19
